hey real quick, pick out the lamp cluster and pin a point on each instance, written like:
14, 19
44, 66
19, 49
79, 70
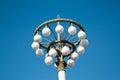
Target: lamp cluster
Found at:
64, 50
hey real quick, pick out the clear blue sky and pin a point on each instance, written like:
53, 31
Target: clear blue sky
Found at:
19, 18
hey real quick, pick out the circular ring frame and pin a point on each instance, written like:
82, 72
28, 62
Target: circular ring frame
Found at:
61, 41
58, 20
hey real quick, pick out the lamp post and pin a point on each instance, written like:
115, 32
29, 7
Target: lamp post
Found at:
62, 43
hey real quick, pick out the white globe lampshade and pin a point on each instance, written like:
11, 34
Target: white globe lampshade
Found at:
74, 56
84, 42
71, 30
35, 45
65, 50
46, 31
80, 50
52, 52
70, 62
81, 35
37, 38
59, 28
48, 60
39, 52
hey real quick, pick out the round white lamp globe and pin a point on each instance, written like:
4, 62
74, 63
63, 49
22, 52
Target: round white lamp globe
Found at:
52, 52
71, 30
70, 63
65, 50
46, 31
84, 42
39, 52
35, 45
37, 38
80, 50
74, 56
81, 35
48, 60
59, 28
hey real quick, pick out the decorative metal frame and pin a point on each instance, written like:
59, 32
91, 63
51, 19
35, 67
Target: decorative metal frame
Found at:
59, 41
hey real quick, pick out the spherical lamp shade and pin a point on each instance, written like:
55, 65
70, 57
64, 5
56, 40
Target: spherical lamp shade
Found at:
81, 35
39, 52
80, 50
65, 50
74, 56
48, 60
37, 38
35, 45
46, 31
71, 30
84, 42
52, 52
70, 62
59, 28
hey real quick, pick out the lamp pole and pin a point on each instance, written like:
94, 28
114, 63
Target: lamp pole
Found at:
62, 43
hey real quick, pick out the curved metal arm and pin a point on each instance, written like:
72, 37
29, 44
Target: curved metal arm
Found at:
59, 20
62, 41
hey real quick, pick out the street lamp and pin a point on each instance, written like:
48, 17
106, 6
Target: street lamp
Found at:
62, 43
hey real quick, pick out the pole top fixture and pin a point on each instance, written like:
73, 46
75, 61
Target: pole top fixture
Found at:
63, 40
